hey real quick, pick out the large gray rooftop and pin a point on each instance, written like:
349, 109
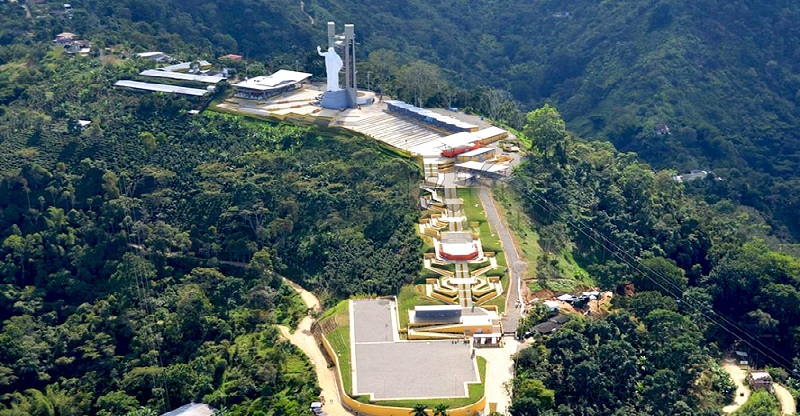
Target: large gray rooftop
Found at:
389, 368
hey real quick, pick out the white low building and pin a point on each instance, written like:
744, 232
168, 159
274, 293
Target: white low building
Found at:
262, 87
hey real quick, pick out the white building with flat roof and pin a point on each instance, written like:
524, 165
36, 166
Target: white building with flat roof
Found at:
146, 86
261, 87
182, 76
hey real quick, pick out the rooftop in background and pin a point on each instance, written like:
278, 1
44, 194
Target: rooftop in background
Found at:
208, 79
498, 168
185, 66
693, 175
492, 132
146, 86
149, 55
232, 57
191, 409
477, 152
274, 81
441, 121
155, 56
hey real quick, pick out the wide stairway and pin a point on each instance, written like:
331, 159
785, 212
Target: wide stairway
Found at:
394, 131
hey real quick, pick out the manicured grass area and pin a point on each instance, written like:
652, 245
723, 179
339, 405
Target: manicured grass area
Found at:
338, 318
527, 239
340, 341
410, 296
521, 226
499, 301
475, 214
476, 391
477, 266
449, 267
473, 209
340, 313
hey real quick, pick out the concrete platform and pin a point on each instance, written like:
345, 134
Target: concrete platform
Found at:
388, 368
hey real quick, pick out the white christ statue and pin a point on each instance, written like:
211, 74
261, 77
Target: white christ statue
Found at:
333, 64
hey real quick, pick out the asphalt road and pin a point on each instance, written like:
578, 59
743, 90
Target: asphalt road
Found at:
516, 267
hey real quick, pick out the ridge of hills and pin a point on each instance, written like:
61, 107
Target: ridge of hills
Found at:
723, 76
122, 244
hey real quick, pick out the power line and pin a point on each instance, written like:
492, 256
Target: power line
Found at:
629, 260
144, 296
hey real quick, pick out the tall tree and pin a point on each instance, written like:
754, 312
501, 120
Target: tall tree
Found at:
547, 131
419, 81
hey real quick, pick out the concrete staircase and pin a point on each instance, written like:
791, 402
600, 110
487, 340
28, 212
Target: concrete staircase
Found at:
394, 131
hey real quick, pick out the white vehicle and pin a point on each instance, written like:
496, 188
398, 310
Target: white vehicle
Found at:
316, 409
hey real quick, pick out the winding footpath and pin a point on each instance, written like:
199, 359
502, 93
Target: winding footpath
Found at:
302, 338
303, 9
788, 405
742, 391
738, 374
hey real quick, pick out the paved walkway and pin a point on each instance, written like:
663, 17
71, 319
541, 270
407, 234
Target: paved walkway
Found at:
303, 339
516, 266
788, 405
742, 391
499, 374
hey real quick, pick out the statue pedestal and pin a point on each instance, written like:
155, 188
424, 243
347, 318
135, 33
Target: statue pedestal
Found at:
335, 100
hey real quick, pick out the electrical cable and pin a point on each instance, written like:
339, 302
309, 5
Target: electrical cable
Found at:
629, 260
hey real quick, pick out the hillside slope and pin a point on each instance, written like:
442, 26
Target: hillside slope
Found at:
723, 76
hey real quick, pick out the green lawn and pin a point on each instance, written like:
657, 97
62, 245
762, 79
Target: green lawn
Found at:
475, 214
524, 230
410, 296
340, 313
473, 209
519, 224
340, 341
339, 338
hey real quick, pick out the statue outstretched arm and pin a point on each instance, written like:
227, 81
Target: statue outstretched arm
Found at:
319, 51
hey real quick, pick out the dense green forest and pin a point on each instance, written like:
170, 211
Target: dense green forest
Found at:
723, 76
693, 279
141, 257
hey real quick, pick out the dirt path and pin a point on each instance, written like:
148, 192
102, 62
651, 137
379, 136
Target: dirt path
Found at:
788, 405
303, 339
303, 9
742, 391
308, 298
